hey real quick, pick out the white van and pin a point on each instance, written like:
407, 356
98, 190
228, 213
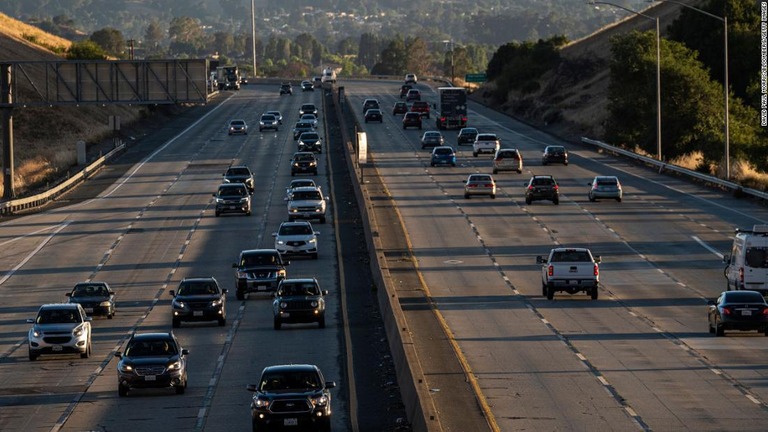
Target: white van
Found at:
329, 75
747, 264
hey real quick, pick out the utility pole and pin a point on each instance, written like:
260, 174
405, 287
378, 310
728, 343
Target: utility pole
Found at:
6, 106
253, 35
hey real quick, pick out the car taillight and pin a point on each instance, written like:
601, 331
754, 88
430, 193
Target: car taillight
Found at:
741, 274
550, 270
557, 187
596, 270
499, 159
765, 311
727, 310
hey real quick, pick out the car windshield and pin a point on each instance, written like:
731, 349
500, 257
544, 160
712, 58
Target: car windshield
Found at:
267, 117
432, 135
309, 117
757, 257
468, 132
58, 316
306, 195
310, 137
301, 183
289, 381
198, 288
237, 122
301, 229
555, 149
607, 181
743, 297
303, 125
542, 181
443, 151
238, 172
258, 259
232, 191
307, 107
486, 137
304, 157
508, 154
274, 113
145, 348
480, 178
90, 290
299, 289
570, 256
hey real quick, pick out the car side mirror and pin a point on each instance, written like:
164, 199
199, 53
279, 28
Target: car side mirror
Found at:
726, 258
87, 318
330, 384
274, 234
541, 260
325, 292
317, 232
172, 293
597, 258
69, 294
184, 352
30, 320
234, 265
251, 387
118, 354
213, 194
224, 290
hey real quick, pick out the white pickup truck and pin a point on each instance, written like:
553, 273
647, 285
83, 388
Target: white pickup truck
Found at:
571, 270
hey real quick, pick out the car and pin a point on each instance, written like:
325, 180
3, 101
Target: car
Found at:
399, 108
411, 119
237, 127
743, 310
542, 187
420, 107
308, 108
432, 139
410, 78
466, 136
479, 184
485, 143
604, 187
404, 90
294, 396
508, 159
232, 198
297, 183
299, 301
554, 154
374, 114
268, 121
413, 95
152, 360
296, 238
96, 298
60, 328
307, 203
443, 155
309, 118
570, 269
198, 299
240, 174
302, 127
307, 86
285, 88
277, 115
310, 142
303, 162
258, 270
317, 81
244, 80
370, 103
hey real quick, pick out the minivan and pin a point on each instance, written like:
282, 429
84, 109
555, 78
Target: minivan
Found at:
747, 264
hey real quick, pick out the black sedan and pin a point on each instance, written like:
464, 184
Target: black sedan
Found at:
96, 298
374, 114
738, 310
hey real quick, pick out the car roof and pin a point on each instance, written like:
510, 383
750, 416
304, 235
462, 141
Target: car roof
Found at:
231, 185
300, 280
291, 367
59, 306
297, 181
486, 135
542, 176
303, 154
295, 223
306, 189
198, 279
468, 130
152, 335
478, 176
237, 121
267, 115
259, 252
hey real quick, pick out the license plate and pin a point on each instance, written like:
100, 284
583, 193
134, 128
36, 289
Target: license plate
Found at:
150, 378
290, 422
746, 312
197, 313
88, 310
57, 348
285, 314
232, 207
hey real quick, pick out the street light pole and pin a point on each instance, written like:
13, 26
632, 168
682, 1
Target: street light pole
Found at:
253, 36
446, 42
726, 127
658, 69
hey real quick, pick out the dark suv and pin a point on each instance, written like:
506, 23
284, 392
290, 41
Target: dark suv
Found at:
152, 360
542, 187
259, 270
199, 299
295, 396
233, 198
239, 174
286, 88
303, 162
299, 301
554, 154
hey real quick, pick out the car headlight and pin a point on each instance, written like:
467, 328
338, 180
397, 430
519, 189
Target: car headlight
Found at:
313, 163
312, 241
174, 366
281, 273
294, 210
178, 304
243, 200
295, 164
283, 305
216, 303
242, 274
78, 331
281, 242
105, 304
320, 401
123, 367
314, 303
37, 333
260, 403
219, 201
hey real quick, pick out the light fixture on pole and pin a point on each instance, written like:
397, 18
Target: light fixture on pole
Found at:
726, 127
658, 69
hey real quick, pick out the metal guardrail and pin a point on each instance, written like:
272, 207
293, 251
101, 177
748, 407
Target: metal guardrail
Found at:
680, 170
12, 206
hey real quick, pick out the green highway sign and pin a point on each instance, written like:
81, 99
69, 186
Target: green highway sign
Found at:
475, 77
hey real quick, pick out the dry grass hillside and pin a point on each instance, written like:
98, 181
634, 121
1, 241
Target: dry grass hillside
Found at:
45, 138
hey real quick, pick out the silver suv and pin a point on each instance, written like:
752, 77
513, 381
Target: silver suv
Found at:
296, 238
307, 203
508, 159
60, 328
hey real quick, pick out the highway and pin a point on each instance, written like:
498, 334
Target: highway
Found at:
638, 358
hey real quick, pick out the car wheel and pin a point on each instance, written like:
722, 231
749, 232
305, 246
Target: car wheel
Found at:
618, 199
240, 295
176, 323
719, 329
432, 164
592, 199
321, 322
181, 388
493, 196
315, 256
87, 352
32, 356
528, 201
594, 293
555, 201
543, 163
550, 293
322, 219
122, 390
222, 322
543, 289
711, 329
495, 171
277, 323
566, 163
466, 196
474, 154
519, 171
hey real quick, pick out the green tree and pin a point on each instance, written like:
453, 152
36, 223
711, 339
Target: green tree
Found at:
85, 50
110, 40
418, 56
394, 59
223, 42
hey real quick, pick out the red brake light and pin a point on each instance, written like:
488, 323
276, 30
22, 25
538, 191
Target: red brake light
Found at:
596, 270
765, 311
741, 274
550, 270
726, 310
557, 187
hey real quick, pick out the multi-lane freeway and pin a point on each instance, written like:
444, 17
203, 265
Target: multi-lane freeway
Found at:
638, 358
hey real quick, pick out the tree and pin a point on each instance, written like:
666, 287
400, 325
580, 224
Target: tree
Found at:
223, 42
153, 35
394, 59
85, 50
110, 40
418, 56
